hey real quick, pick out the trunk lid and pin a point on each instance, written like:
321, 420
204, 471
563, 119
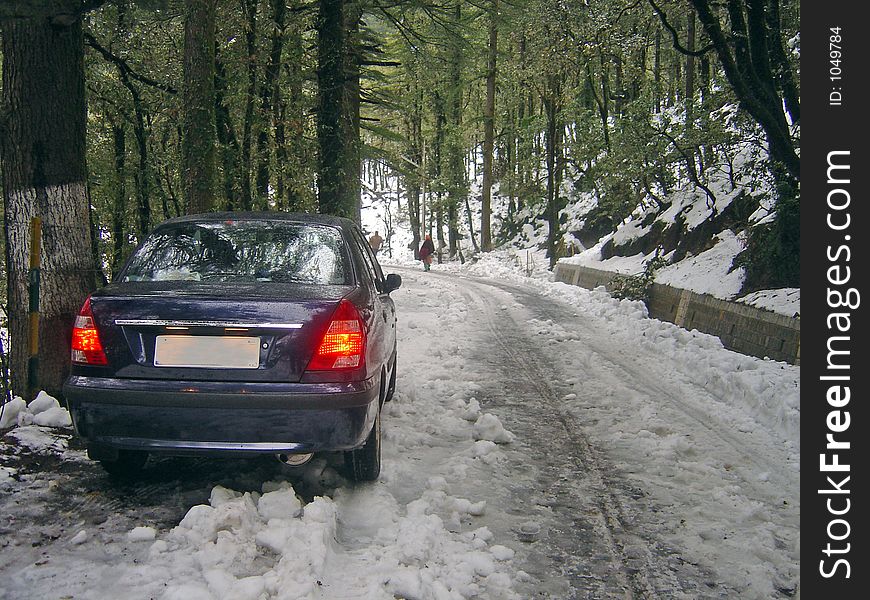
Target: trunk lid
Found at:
252, 332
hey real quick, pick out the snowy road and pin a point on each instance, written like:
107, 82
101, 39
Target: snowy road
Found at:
544, 442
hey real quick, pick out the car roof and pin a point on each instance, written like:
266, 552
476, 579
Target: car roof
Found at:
262, 216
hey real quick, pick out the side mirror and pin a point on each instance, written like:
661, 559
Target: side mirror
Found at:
393, 282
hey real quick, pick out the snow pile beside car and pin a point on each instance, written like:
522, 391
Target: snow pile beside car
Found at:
44, 411
247, 545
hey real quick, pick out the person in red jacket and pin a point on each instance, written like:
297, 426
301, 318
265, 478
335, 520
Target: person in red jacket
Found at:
427, 249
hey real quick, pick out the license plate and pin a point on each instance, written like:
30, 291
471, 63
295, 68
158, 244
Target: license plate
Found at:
216, 352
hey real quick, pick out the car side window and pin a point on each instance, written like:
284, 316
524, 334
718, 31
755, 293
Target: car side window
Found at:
371, 262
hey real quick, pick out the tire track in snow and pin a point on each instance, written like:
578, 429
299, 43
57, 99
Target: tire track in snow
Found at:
625, 372
637, 568
743, 454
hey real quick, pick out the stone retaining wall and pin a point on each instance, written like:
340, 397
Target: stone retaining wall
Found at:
741, 327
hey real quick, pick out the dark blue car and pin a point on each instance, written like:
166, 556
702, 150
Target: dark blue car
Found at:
238, 334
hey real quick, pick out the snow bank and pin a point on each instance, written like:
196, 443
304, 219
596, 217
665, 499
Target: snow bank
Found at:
763, 390
219, 550
44, 411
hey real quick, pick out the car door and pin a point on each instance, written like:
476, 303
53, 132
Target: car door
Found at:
385, 308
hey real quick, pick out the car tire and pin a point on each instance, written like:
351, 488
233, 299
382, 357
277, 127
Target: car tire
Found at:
391, 387
364, 464
128, 464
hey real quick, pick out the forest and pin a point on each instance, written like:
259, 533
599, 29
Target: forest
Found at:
118, 114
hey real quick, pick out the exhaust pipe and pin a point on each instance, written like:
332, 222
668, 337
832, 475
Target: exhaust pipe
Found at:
294, 460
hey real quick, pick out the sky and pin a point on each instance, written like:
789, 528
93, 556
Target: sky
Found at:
692, 449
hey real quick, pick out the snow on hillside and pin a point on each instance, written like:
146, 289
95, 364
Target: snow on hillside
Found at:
689, 207
709, 272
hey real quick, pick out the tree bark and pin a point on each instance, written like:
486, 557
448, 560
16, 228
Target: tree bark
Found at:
42, 143
226, 137
552, 139
270, 102
657, 70
198, 106
782, 70
690, 72
352, 104
457, 189
120, 203
439, 168
249, 7
489, 130
290, 127
337, 123
414, 128
143, 179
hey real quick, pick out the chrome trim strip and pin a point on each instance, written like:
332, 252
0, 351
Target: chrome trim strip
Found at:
269, 447
232, 324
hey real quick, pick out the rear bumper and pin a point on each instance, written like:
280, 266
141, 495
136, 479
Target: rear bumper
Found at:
219, 417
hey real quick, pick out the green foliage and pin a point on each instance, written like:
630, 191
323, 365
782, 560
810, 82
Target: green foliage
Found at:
637, 287
772, 255
607, 69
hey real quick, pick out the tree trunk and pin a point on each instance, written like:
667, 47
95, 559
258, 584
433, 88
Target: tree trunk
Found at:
690, 71
42, 144
226, 137
143, 194
414, 124
352, 101
198, 106
657, 70
288, 140
619, 84
455, 150
748, 70
489, 130
269, 97
336, 119
165, 176
523, 151
601, 103
120, 204
781, 68
689, 98
552, 107
249, 7
438, 160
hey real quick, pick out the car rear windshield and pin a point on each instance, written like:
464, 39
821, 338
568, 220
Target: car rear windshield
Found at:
242, 251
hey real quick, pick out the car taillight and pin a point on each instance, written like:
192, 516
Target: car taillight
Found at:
86, 346
343, 343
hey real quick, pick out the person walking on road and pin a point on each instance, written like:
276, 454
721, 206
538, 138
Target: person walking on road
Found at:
375, 242
427, 249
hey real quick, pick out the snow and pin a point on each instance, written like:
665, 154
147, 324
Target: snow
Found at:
786, 301
709, 272
140, 534
43, 410
488, 428
710, 437
440, 523
11, 410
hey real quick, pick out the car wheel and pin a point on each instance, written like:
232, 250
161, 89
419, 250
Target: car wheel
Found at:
364, 463
128, 464
391, 388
